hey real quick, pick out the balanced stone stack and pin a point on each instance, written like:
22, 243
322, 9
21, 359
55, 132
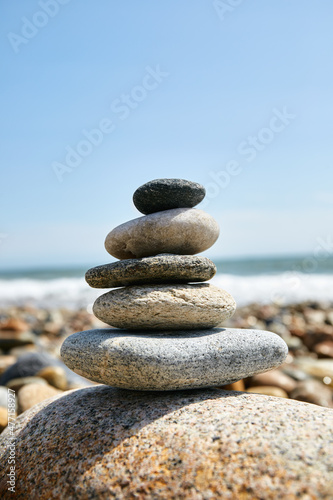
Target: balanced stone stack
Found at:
166, 317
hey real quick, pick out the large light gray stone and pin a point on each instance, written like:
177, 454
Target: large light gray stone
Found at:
165, 268
102, 443
184, 231
165, 307
165, 361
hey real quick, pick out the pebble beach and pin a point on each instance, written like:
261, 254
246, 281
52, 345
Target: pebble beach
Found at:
307, 328
163, 383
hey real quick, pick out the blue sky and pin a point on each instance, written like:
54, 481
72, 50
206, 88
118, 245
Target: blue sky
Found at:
236, 97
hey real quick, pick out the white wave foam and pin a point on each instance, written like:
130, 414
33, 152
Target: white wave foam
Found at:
285, 288
71, 293
74, 293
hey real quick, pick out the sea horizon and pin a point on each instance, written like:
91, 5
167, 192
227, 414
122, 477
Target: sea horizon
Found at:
280, 279
241, 266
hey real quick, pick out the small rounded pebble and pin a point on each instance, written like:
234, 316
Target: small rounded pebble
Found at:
165, 307
313, 391
16, 383
3, 396
165, 268
274, 378
166, 194
10, 338
55, 376
269, 390
32, 394
3, 418
6, 361
182, 231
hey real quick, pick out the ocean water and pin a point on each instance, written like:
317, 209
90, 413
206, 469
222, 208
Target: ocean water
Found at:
283, 280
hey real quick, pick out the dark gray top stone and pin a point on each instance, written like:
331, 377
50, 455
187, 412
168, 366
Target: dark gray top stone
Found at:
165, 194
164, 268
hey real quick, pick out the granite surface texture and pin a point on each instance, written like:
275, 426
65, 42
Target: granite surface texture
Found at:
161, 307
164, 361
165, 268
106, 443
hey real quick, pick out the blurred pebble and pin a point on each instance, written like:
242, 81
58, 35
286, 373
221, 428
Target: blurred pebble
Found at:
324, 349
19, 351
14, 324
6, 362
269, 390
313, 391
314, 316
16, 383
3, 396
31, 363
54, 375
32, 394
295, 373
236, 386
329, 317
3, 418
274, 378
9, 338
319, 368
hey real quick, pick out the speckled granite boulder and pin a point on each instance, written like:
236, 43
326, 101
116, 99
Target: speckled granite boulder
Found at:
165, 307
183, 231
165, 268
165, 361
165, 194
105, 443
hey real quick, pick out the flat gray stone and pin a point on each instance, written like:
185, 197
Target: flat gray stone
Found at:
165, 268
102, 443
165, 194
182, 231
165, 307
165, 361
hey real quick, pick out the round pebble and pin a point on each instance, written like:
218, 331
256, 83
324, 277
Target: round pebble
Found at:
16, 383
31, 394
3, 418
269, 390
55, 376
169, 361
165, 194
165, 307
184, 231
165, 268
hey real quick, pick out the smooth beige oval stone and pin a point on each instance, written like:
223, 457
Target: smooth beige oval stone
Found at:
183, 231
32, 394
55, 376
162, 307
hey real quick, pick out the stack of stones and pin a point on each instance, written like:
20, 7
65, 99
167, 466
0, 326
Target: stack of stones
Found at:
166, 318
